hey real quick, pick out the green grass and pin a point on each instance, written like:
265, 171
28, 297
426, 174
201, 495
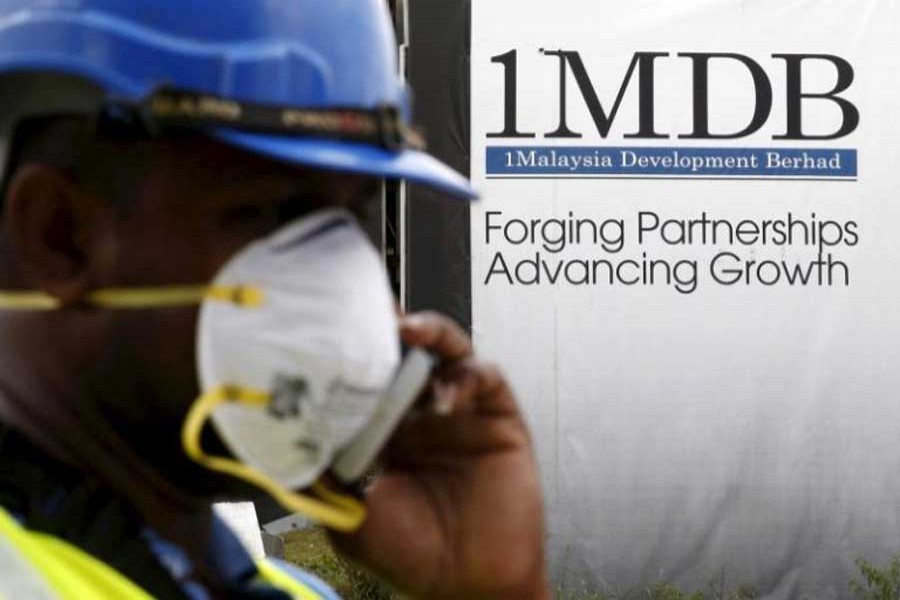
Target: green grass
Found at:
659, 591
877, 583
311, 550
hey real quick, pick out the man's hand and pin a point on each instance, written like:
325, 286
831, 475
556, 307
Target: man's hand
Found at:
457, 512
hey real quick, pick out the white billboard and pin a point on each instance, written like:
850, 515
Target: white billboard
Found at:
687, 259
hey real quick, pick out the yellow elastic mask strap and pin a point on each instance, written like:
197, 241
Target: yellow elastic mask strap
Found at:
138, 298
334, 510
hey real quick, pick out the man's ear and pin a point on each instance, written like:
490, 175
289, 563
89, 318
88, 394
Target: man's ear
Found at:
47, 223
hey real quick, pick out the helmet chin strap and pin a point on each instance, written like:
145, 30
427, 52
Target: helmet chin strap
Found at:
138, 297
337, 511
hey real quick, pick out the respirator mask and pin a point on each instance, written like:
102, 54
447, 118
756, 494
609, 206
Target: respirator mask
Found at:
299, 362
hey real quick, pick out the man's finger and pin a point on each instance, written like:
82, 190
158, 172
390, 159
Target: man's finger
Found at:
458, 436
478, 386
436, 333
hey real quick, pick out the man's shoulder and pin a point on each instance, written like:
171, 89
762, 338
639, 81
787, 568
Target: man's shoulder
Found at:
18, 578
227, 549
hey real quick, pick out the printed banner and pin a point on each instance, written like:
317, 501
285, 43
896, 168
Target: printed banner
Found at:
687, 259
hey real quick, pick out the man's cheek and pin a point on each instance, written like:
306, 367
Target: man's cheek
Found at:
176, 348
154, 370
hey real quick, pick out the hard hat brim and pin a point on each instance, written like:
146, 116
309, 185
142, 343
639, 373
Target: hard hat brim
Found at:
411, 165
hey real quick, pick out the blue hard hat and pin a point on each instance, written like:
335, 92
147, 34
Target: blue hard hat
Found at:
242, 69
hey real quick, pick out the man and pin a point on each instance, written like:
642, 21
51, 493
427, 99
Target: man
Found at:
144, 146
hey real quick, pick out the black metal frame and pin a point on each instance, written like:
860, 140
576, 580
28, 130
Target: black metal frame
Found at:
438, 242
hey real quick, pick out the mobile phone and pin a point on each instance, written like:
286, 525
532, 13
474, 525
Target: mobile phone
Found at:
357, 459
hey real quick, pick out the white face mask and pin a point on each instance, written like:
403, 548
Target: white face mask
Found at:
291, 379
298, 353
323, 344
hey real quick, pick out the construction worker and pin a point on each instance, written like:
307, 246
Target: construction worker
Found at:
190, 312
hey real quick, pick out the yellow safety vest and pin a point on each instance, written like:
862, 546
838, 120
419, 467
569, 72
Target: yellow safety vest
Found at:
36, 566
